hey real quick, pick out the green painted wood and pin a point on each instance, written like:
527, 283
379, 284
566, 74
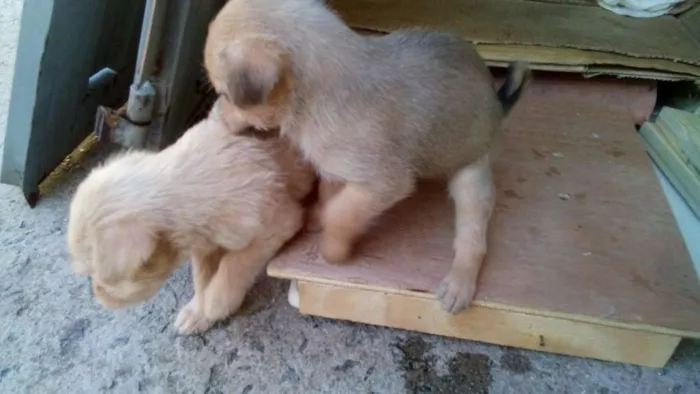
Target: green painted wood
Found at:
182, 85
61, 44
682, 130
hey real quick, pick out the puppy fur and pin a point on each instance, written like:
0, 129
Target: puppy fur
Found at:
373, 114
229, 202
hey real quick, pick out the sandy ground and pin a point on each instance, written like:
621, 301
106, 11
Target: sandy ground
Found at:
55, 339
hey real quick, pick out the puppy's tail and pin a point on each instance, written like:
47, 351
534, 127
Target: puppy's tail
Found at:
517, 78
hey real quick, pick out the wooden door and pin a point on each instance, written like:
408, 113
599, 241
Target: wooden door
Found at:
61, 44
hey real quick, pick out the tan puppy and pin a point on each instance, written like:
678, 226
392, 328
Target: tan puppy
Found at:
373, 114
228, 201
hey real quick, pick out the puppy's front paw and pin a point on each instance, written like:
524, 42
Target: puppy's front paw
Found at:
456, 291
191, 320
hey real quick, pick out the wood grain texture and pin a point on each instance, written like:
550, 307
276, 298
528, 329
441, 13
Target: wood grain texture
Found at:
684, 133
684, 178
61, 44
531, 23
581, 229
544, 32
585, 61
488, 325
572, 60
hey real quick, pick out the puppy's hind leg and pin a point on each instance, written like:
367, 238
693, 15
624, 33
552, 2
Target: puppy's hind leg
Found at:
326, 190
191, 317
473, 192
348, 213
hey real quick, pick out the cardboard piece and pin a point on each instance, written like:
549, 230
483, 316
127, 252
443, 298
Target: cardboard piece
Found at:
573, 38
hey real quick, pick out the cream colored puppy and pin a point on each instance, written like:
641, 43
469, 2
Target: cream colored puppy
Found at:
228, 201
373, 114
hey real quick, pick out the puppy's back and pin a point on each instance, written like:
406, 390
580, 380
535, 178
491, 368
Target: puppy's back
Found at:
223, 165
443, 51
445, 101
211, 183
438, 69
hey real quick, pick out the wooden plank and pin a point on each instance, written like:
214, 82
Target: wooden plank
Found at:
31, 44
361, 285
488, 325
528, 23
682, 176
61, 44
574, 60
581, 228
683, 133
590, 60
621, 41
626, 72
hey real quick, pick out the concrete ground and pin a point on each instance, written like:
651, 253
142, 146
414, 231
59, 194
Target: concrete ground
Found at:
55, 339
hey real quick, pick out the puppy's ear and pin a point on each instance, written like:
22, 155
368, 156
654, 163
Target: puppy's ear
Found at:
255, 66
122, 248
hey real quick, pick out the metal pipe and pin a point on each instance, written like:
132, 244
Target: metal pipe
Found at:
149, 44
132, 130
101, 78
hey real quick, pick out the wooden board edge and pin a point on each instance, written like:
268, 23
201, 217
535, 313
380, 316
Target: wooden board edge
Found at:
281, 273
676, 183
635, 74
677, 171
382, 19
498, 327
581, 57
574, 60
596, 71
684, 126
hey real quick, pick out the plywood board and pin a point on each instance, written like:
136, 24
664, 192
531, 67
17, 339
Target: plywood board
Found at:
488, 325
542, 31
581, 230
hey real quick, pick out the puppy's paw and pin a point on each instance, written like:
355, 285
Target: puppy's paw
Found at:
335, 250
456, 291
191, 320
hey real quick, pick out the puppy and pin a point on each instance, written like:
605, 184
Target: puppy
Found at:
373, 114
228, 201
